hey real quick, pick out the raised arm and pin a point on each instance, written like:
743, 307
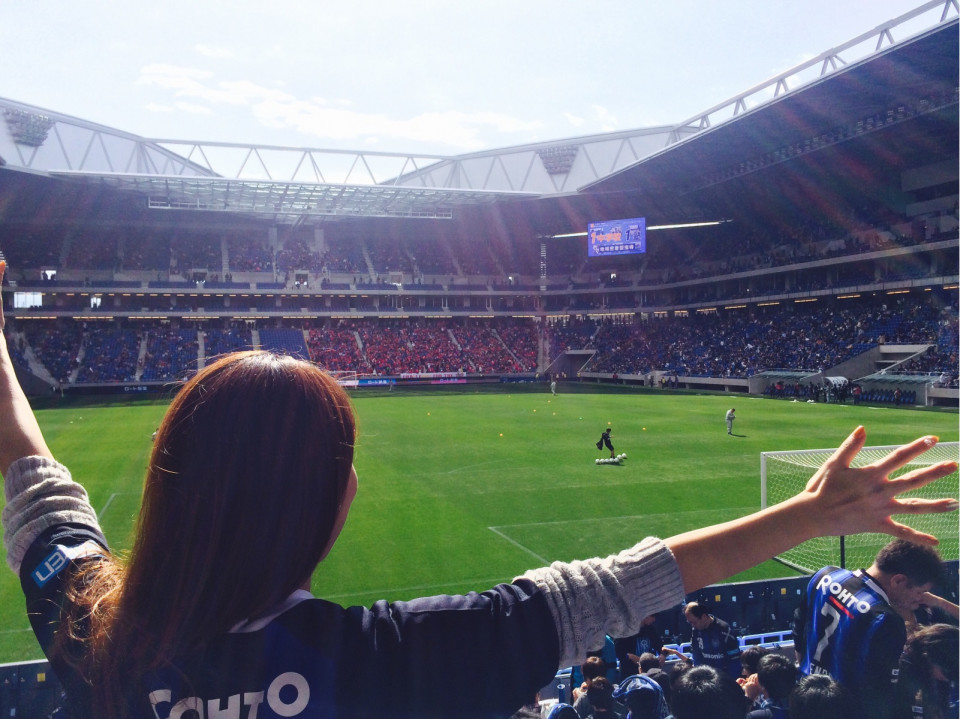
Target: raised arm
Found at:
20, 434
612, 595
838, 499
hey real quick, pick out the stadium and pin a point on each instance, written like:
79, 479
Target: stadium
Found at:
800, 263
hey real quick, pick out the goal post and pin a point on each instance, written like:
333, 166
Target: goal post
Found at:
783, 474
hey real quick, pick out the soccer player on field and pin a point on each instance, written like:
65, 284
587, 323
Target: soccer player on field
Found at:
605, 441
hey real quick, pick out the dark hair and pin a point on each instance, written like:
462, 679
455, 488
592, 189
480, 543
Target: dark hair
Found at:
935, 645
818, 696
705, 692
777, 675
750, 656
919, 563
593, 667
252, 440
648, 661
696, 609
600, 693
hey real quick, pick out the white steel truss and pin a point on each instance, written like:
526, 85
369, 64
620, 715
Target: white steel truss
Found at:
295, 181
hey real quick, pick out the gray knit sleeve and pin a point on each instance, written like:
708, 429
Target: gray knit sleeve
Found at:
594, 597
41, 494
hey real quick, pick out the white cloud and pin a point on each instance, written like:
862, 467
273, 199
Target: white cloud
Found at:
606, 120
194, 109
216, 52
574, 120
457, 129
322, 118
156, 107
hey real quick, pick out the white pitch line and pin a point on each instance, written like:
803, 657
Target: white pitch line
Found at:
745, 510
109, 501
517, 544
106, 506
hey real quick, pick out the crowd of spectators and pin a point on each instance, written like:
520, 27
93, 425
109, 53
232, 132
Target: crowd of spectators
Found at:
488, 353
248, 254
170, 354
223, 341
343, 256
337, 349
100, 251
110, 354
431, 256
742, 343
771, 688
406, 347
56, 350
147, 251
387, 256
195, 252
474, 256
737, 343
678, 258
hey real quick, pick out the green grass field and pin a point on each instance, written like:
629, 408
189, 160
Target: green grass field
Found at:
460, 490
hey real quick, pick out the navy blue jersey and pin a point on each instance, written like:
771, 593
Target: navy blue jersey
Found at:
473, 655
718, 646
848, 629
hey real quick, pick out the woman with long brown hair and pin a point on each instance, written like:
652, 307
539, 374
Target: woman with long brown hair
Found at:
248, 486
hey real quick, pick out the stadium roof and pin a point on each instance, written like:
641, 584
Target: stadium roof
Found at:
799, 112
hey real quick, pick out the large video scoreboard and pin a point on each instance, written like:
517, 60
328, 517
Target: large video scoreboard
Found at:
617, 237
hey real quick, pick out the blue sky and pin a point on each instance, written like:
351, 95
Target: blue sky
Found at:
407, 75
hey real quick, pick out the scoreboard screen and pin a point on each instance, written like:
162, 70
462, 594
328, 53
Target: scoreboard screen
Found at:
617, 237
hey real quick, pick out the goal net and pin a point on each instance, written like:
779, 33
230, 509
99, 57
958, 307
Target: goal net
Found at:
783, 474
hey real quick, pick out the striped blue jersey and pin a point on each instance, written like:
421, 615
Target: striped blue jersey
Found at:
848, 629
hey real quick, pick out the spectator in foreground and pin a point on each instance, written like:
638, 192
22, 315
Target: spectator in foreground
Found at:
651, 667
776, 677
208, 613
749, 659
593, 668
600, 694
818, 696
705, 693
850, 623
927, 669
712, 641
643, 696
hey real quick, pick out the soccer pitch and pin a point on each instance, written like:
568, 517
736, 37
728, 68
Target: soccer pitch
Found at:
462, 489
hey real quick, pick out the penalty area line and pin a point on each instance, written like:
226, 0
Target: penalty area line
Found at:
106, 506
519, 546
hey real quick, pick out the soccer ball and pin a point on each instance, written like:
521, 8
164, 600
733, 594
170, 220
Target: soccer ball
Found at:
597, 461
624, 455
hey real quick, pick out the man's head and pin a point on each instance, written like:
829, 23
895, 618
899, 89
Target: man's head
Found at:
818, 696
906, 571
600, 694
648, 661
750, 657
777, 675
593, 667
696, 616
705, 692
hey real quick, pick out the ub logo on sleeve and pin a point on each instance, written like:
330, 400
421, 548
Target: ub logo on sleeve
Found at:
59, 558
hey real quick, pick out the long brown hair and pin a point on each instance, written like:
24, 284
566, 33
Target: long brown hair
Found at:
248, 474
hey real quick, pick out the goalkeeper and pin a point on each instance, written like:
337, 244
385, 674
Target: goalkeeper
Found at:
604, 441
